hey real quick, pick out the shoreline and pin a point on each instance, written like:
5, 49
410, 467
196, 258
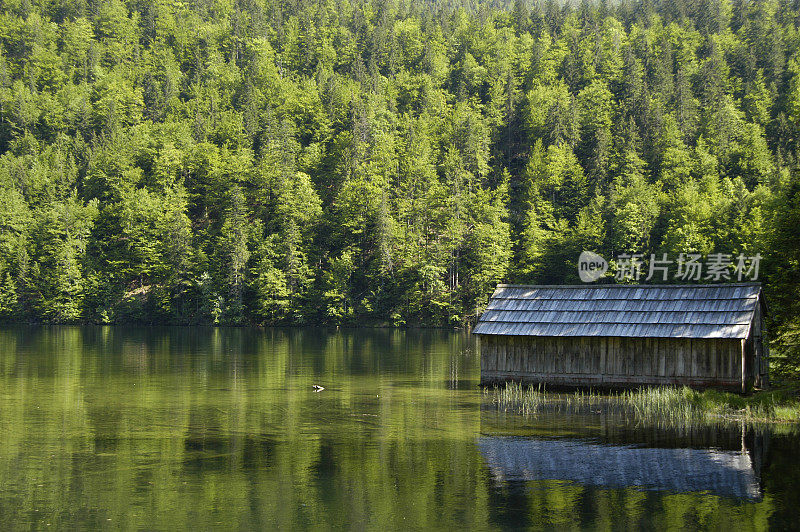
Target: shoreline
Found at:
664, 405
232, 326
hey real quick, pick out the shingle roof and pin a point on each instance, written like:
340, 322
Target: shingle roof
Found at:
658, 311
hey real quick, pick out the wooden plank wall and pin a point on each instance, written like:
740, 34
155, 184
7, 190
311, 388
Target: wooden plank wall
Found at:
612, 360
760, 349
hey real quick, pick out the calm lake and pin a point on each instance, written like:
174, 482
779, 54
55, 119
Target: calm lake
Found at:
164, 428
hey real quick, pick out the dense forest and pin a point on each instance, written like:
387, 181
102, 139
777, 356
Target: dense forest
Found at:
383, 162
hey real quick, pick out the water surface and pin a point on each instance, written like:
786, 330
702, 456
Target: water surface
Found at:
158, 428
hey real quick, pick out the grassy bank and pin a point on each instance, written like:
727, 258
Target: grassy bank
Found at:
664, 404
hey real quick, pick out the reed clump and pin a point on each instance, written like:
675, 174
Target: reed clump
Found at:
522, 399
668, 404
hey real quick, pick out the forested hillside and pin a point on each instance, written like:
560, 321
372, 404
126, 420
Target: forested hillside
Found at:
382, 162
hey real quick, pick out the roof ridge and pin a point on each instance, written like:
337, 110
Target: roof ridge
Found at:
587, 285
621, 323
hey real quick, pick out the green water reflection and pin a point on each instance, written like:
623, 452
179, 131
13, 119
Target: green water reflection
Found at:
148, 428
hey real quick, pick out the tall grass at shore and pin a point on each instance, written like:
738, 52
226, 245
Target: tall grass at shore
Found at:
662, 404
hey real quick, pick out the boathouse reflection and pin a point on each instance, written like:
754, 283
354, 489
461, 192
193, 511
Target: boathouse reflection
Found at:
722, 461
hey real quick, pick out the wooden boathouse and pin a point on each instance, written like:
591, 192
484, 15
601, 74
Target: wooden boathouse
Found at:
625, 335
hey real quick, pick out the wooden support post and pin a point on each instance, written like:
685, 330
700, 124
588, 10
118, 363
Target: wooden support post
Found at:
744, 367
765, 362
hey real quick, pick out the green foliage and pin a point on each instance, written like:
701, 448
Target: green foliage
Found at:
60, 233
360, 163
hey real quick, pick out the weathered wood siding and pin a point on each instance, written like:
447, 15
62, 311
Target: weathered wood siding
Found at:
612, 361
759, 349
